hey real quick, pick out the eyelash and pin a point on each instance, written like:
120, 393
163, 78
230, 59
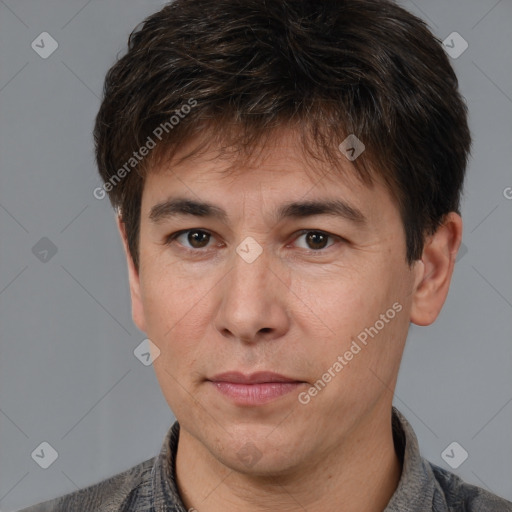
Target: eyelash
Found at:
169, 240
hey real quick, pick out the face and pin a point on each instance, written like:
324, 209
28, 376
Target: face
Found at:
321, 299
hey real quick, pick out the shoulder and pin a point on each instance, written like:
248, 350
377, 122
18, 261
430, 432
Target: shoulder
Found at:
458, 496
114, 494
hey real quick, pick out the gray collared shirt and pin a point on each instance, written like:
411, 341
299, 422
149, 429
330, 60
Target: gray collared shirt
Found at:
151, 485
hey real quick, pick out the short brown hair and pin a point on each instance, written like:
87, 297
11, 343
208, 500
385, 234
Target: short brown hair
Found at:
326, 68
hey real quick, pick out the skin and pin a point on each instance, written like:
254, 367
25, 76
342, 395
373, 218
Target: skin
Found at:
290, 312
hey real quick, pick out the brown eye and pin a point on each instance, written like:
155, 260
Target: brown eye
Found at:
198, 239
191, 239
315, 240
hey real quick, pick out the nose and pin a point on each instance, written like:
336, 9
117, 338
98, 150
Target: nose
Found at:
252, 301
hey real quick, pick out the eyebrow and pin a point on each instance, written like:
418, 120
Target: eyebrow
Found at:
179, 206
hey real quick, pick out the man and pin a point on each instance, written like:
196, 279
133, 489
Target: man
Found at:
287, 179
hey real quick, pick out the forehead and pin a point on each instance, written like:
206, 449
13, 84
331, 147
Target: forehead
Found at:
226, 151
279, 173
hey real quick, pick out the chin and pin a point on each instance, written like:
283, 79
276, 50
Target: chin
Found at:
256, 452
266, 464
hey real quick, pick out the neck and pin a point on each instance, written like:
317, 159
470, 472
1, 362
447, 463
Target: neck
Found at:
362, 473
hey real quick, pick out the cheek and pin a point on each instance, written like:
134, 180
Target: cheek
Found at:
348, 302
175, 317
175, 312
365, 311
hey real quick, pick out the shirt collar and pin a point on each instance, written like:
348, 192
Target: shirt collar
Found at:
165, 495
414, 492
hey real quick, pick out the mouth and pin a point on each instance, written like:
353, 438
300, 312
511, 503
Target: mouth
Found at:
253, 378
254, 389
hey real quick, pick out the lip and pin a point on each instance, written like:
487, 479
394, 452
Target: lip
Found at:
253, 378
255, 389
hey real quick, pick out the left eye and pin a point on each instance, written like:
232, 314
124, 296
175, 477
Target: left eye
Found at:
317, 239
198, 239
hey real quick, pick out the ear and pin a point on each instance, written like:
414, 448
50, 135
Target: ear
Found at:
438, 261
133, 276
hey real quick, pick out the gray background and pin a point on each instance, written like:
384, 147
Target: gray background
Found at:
68, 374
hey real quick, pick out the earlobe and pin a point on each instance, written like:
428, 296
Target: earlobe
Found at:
435, 273
134, 279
